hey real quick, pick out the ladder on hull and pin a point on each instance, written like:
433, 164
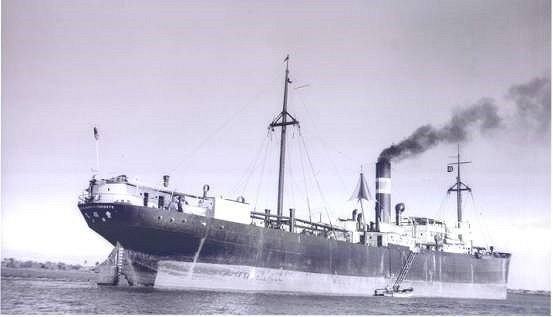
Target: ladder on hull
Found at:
112, 268
404, 271
119, 259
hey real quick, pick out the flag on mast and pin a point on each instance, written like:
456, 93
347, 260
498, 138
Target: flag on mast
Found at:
97, 136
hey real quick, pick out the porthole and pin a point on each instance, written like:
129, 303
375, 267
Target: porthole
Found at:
159, 217
172, 219
183, 220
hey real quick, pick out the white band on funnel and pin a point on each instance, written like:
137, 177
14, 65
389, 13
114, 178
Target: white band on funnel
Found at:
383, 185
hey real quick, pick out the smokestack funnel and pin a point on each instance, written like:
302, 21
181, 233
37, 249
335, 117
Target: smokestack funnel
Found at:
383, 192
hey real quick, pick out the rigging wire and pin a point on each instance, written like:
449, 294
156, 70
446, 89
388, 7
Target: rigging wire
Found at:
262, 173
487, 236
252, 171
244, 179
317, 182
326, 144
440, 212
298, 148
190, 154
290, 188
291, 173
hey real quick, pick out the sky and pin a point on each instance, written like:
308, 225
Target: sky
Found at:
188, 88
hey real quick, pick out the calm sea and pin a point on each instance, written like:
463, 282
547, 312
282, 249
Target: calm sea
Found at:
59, 294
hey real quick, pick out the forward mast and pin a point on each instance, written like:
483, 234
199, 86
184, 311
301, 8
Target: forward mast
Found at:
283, 120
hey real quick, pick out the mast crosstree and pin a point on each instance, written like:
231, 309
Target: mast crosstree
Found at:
283, 120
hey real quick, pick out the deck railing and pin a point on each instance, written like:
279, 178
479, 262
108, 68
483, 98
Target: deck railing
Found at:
274, 221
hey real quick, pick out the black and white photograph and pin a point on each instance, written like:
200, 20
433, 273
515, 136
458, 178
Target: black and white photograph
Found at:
276, 157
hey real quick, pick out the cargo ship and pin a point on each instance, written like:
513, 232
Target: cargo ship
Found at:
174, 240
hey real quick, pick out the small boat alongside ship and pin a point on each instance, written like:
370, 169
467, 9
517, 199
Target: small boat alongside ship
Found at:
174, 240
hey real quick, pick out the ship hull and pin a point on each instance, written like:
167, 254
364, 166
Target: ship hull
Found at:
167, 249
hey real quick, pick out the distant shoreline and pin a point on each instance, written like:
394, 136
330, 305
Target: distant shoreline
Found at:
49, 265
64, 275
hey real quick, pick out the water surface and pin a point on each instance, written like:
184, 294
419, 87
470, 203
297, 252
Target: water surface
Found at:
70, 294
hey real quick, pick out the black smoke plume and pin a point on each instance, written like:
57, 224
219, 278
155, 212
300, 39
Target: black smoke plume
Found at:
482, 115
533, 102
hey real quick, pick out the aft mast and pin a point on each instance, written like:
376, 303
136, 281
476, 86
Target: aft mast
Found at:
459, 186
282, 121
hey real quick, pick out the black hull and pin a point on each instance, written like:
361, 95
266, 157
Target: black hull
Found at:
161, 235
